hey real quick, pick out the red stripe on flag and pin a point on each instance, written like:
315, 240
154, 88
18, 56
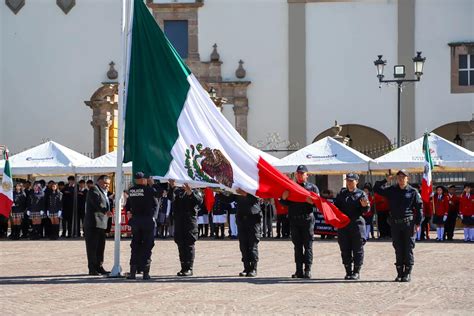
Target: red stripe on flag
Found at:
272, 184
5, 205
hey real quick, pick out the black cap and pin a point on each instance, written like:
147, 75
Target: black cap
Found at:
403, 172
352, 176
452, 186
301, 168
139, 175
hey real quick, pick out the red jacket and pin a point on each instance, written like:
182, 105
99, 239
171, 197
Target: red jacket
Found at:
453, 203
466, 205
381, 203
280, 209
441, 205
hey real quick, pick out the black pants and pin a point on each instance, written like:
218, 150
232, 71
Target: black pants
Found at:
95, 246
450, 224
302, 231
403, 240
80, 221
383, 225
283, 226
3, 226
267, 224
66, 224
185, 235
249, 236
142, 241
351, 240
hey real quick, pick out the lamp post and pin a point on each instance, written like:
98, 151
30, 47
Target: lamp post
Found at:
399, 80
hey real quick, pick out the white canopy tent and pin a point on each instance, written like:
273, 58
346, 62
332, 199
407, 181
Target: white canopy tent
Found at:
326, 156
446, 156
108, 163
104, 164
48, 159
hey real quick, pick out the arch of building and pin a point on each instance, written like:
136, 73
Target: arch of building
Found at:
450, 130
360, 135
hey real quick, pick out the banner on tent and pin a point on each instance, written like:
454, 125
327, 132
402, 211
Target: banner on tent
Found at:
321, 227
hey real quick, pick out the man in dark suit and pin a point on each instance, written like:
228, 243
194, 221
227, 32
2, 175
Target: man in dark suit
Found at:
95, 223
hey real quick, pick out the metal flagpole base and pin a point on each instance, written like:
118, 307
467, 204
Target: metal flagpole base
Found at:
116, 272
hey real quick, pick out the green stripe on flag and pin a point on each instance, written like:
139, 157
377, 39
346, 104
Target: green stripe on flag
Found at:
426, 150
157, 88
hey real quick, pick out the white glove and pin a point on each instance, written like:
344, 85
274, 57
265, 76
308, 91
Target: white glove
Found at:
47, 213
445, 217
41, 213
60, 213
28, 213
461, 217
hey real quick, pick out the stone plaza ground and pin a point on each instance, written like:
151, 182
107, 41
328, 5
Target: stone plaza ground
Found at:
49, 277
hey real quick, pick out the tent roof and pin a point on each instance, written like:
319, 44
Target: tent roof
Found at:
446, 156
327, 156
46, 159
104, 164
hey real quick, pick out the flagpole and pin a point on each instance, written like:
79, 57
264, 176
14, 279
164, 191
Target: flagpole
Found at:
117, 269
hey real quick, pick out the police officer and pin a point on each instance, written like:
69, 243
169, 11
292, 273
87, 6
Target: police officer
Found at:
301, 219
405, 210
140, 207
249, 218
185, 202
352, 202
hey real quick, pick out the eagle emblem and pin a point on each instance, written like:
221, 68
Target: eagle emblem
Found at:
6, 186
208, 165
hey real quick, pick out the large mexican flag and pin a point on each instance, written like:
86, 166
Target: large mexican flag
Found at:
174, 130
6, 189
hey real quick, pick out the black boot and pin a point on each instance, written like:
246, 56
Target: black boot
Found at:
299, 272
253, 269
407, 275
246, 269
188, 269
133, 272
307, 271
356, 273
183, 268
400, 274
348, 271
146, 273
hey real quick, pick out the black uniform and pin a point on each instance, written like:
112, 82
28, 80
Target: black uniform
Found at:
301, 217
26, 222
142, 204
18, 211
54, 205
185, 226
68, 205
249, 218
405, 211
351, 238
36, 206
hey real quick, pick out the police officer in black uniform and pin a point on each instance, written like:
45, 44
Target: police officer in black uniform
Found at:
405, 210
140, 207
352, 202
249, 218
301, 219
185, 208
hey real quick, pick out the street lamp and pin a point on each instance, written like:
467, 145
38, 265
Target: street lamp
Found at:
399, 75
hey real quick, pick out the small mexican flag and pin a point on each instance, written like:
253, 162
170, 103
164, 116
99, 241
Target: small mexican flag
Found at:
6, 189
426, 183
174, 130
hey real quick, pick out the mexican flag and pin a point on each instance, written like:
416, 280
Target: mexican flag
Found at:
6, 189
426, 183
173, 129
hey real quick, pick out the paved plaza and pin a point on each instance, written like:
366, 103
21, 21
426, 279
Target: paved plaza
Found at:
49, 277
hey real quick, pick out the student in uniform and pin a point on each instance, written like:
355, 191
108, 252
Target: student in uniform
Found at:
441, 208
466, 212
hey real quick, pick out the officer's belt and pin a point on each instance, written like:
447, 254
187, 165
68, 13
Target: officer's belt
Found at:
403, 220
